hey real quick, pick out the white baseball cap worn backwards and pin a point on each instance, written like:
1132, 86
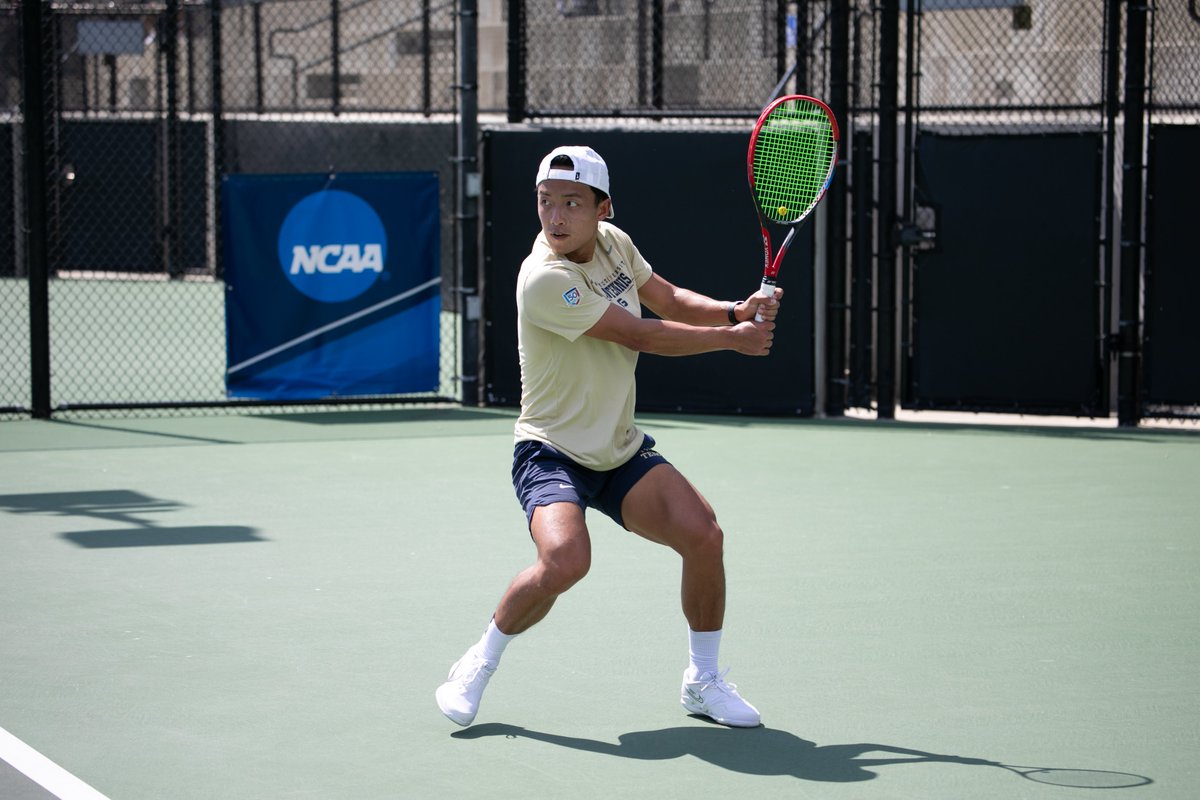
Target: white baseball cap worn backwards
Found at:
588, 168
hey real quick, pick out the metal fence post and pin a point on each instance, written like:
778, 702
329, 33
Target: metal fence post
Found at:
835, 219
516, 60
218, 129
335, 52
34, 90
885, 351
1129, 362
657, 50
467, 189
426, 60
172, 177
781, 43
1111, 239
859, 387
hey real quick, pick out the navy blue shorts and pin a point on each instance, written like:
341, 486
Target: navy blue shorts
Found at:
542, 475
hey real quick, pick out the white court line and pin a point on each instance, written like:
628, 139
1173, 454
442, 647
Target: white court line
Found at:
44, 772
336, 324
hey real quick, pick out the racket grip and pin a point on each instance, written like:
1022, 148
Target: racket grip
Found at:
767, 289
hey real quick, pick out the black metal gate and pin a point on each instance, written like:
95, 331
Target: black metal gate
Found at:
1015, 174
1172, 331
1006, 303
1170, 374
1004, 258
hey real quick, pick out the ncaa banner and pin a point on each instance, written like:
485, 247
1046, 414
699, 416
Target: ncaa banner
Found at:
332, 284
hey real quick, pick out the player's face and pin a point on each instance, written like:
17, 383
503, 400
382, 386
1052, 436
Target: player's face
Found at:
570, 217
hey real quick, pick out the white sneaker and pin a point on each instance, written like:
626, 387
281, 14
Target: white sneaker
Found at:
459, 696
712, 697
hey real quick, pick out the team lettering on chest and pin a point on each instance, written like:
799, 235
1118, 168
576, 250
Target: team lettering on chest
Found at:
616, 285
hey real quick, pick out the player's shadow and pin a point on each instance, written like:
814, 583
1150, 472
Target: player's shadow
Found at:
755, 751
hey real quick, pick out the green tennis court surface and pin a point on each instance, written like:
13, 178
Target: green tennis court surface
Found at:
261, 607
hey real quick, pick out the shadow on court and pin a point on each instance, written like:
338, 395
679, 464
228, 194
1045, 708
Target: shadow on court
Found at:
755, 751
123, 507
766, 751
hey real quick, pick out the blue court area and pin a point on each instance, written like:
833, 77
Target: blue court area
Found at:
258, 607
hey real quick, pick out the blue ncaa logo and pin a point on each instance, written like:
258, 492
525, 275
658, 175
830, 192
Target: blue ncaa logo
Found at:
332, 246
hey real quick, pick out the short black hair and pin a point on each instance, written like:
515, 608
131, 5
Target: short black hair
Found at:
565, 162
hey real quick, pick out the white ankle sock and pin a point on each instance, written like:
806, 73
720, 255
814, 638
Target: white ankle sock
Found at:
493, 642
702, 649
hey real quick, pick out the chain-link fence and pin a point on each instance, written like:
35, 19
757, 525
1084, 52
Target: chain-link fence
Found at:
652, 58
1175, 65
1013, 59
147, 106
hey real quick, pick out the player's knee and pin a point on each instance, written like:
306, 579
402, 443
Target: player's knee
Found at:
565, 566
707, 539
713, 537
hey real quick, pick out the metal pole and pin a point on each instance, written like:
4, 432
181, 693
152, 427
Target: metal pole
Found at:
336, 52
803, 47
111, 62
218, 134
467, 191
1129, 334
516, 60
642, 26
34, 89
908, 205
885, 351
173, 171
657, 34
426, 60
861, 249
189, 36
259, 102
1112, 107
835, 230
781, 17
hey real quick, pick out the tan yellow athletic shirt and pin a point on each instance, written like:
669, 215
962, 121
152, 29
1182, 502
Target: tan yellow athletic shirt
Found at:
577, 392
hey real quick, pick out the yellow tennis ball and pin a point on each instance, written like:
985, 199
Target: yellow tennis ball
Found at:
782, 210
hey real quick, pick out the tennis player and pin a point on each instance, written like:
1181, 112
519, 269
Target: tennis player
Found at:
580, 294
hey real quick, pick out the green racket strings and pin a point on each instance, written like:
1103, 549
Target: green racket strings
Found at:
792, 156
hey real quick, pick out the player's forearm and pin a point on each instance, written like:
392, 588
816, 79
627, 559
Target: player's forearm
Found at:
693, 308
671, 338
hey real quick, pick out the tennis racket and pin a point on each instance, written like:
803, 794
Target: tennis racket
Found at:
793, 149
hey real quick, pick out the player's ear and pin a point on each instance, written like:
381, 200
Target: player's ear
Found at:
604, 208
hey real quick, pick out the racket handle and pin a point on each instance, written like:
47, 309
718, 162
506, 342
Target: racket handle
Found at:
767, 289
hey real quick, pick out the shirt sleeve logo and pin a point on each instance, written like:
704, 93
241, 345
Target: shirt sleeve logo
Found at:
571, 296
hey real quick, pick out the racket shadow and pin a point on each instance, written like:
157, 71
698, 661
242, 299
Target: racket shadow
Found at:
757, 751
1079, 778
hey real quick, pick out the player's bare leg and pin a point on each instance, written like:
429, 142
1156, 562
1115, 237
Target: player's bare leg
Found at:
564, 555
665, 507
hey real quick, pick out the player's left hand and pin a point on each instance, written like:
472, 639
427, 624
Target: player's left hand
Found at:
751, 305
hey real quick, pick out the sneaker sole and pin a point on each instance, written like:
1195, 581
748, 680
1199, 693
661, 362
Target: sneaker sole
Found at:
457, 718
694, 709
